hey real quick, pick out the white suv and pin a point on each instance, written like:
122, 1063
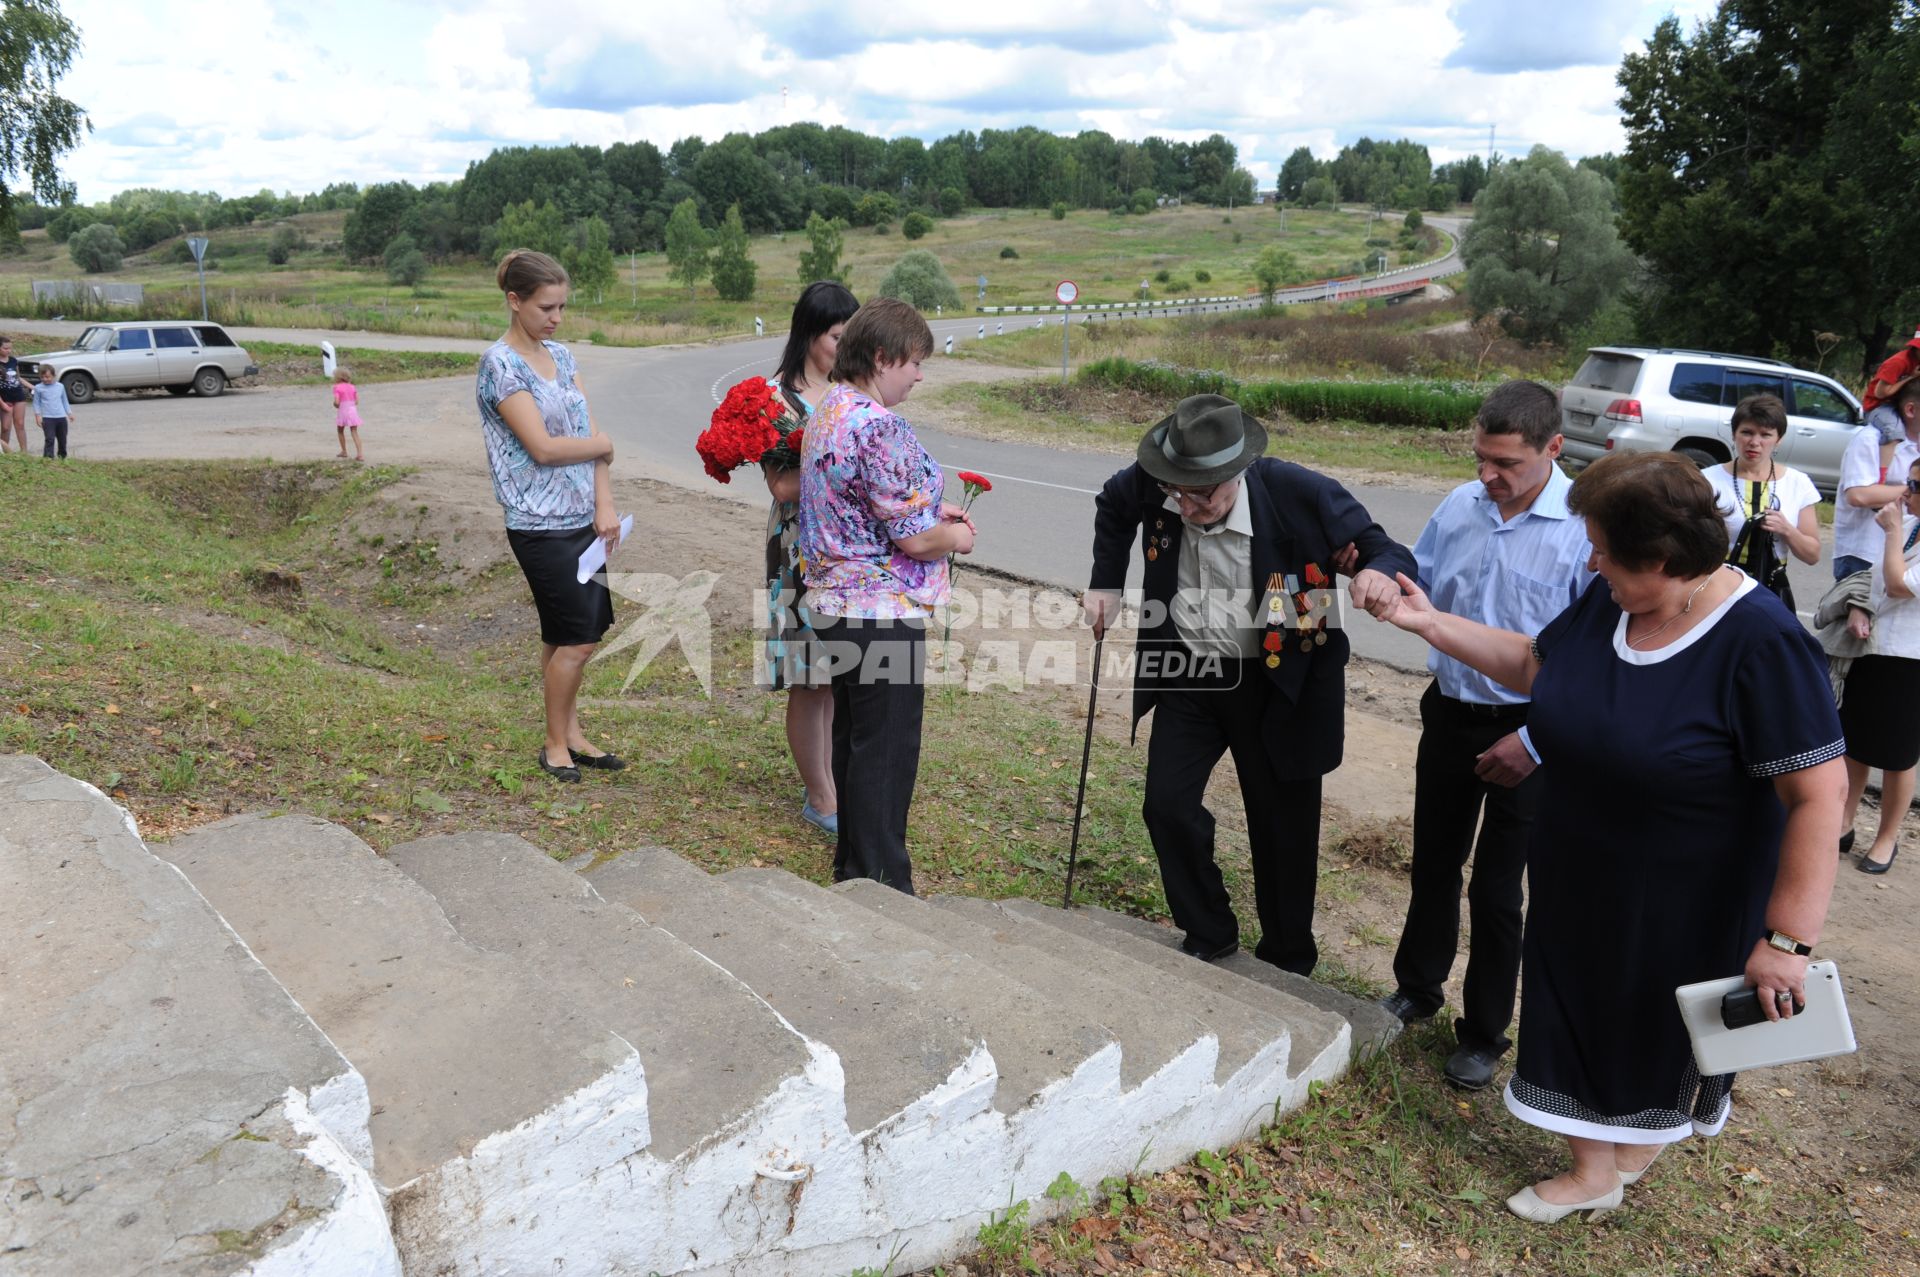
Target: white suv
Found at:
1629, 398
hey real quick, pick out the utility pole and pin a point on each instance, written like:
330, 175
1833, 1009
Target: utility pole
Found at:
1489, 150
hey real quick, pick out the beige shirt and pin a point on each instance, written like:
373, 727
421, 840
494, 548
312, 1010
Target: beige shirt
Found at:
1213, 599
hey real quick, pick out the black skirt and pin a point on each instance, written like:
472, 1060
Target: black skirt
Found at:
571, 614
1880, 713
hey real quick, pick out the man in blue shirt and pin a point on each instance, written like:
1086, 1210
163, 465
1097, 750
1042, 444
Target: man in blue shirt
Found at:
1503, 551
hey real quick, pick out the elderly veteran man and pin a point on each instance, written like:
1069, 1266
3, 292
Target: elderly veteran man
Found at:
1236, 653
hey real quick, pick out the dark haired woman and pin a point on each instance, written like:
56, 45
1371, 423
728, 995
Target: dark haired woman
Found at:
806, 369
1694, 792
1769, 508
550, 473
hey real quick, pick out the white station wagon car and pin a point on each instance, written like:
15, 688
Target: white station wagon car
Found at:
178, 355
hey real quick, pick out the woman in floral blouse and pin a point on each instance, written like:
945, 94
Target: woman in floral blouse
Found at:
875, 537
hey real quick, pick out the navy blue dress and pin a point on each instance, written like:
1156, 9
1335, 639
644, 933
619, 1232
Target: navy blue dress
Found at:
1655, 851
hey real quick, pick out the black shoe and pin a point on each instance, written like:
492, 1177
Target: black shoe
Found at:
601, 762
565, 775
1403, 1008
1209, 953
1868, 866
1846, 842
1470, 1068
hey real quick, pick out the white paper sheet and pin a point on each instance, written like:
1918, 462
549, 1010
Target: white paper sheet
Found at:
594, 557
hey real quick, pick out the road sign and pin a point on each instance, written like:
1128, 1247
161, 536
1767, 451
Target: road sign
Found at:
1067, 291
197, 245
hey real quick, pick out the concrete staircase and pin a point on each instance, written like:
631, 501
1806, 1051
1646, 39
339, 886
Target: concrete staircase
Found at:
633, 1068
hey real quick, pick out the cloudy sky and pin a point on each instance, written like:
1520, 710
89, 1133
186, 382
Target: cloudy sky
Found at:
236, 95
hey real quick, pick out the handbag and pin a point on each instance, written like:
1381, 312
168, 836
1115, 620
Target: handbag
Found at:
1754, 551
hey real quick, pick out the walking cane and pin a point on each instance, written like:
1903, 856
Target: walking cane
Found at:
1086, 749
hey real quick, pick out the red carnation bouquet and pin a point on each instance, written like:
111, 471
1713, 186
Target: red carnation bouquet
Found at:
750, 422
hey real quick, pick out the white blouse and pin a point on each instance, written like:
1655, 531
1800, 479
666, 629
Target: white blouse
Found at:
1790, 493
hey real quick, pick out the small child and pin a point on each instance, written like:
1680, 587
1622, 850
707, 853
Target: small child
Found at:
1903, 364
51, 412
346, 411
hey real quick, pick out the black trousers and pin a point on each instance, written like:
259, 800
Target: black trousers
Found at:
878, 670
52, 430
1448, 801
1191, 729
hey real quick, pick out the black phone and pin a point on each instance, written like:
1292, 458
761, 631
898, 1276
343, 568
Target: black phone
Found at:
1742, 1007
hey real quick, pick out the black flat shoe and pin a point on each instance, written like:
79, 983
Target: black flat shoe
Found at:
1846, 842
601, 762
1866, 866
1209, 953
565, 775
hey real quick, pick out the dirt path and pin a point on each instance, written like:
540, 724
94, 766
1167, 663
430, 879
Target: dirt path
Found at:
1860, 1112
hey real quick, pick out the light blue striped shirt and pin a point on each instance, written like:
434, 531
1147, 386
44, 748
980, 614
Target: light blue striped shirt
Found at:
1515, 574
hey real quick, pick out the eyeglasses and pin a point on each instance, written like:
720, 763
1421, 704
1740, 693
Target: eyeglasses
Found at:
1198, 496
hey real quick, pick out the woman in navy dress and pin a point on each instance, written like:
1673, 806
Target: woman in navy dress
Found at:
1693, 800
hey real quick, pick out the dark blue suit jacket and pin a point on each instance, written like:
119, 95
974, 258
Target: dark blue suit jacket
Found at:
1300, 519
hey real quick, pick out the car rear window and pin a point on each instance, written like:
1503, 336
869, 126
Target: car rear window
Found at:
133, 339
1696, 383
1609, 372
1744, 382
212, 336
173, 338
1824, 403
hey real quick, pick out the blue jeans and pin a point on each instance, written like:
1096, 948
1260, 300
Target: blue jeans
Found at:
1845, 565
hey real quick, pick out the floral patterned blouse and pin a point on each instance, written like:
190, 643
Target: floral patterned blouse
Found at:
536, 498
865, 484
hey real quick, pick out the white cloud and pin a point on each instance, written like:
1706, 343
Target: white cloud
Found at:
236, 95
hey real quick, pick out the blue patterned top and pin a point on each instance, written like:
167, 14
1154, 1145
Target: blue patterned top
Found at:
536, 498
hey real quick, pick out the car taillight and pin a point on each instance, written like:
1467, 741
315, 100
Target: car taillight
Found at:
1609, 443
1623, 410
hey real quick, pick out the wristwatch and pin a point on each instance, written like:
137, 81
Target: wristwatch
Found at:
1788, 944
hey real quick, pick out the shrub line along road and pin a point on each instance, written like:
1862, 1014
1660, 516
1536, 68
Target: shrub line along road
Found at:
1037, 523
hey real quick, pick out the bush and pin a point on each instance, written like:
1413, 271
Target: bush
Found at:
1059, 210
1142, 202
1203, 276
1413, 222
1427, 405
1162, 276
96, 248
1009, 252
1174, 287
148, 229
915, 224
951, 201
284, 242
919, 278
874, 207
883, 228
1378, 241
1226, 218
406, 264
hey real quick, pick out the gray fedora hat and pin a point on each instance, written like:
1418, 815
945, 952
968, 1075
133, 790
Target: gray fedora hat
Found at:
1208, 439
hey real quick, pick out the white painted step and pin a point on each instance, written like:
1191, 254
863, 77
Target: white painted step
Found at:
165, 1107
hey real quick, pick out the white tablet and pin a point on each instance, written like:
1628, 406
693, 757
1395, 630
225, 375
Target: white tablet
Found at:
1821, 1030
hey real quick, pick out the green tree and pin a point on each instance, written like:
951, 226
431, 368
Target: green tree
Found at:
375, 220
1274, 267
1412, 222
1319, 192
1299, 167
733, 266
915, 224
821, 260
68, 220
542, 228
920, 279
875, 208
148, 229
96, 248
589, 258
37, 125
687, 245
406, 264
1769, 175
1542, 251
951, 201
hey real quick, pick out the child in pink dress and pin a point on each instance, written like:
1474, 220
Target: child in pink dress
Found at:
346, 412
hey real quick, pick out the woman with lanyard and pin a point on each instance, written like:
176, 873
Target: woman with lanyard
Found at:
1769, 508
790, 652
